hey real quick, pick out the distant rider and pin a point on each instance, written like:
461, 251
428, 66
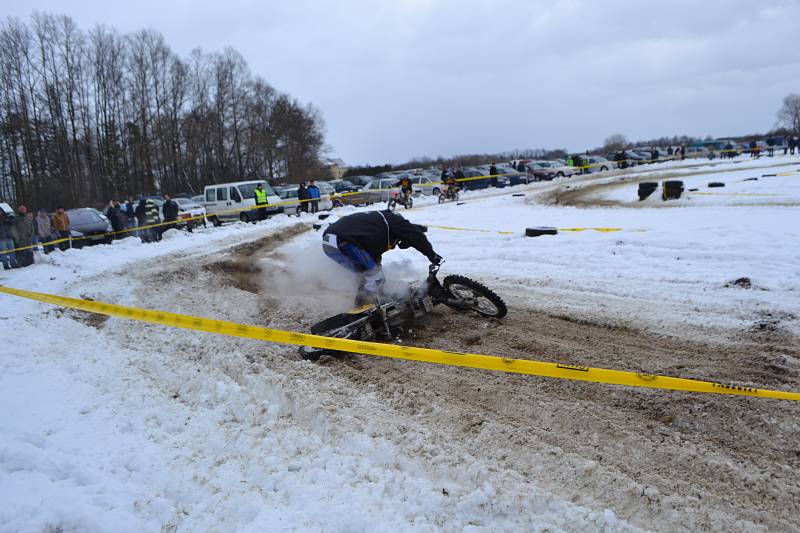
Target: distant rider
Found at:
406, 189
358, 241
452, 185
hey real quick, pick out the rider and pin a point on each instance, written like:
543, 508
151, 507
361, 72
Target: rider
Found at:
358, 241
452, 185
406, 189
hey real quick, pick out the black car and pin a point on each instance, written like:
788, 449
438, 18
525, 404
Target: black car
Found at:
342, 186
88, 226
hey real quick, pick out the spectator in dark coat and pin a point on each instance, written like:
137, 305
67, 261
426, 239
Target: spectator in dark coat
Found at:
9, 260
23, 236
493, 173
302, 196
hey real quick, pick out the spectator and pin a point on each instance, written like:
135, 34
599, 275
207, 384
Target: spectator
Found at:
23, 236
683, 152
130, 213
493, 174
770, 146
115, 217
669, 151
146, 216
314, 196
792, 144
459, 175
8, 259
302, 197
44, 229
170, 211
654, 156
261, 201
61, 227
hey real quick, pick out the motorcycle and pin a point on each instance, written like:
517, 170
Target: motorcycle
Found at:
385, 321
400, 198
448, 195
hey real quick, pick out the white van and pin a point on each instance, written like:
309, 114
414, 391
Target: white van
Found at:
227, 202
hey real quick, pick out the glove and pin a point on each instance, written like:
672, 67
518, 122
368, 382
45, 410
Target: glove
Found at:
437, 260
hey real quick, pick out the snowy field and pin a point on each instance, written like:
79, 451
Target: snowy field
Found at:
110, 425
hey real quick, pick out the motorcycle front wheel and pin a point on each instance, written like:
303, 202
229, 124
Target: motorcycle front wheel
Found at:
473, 295
391, 205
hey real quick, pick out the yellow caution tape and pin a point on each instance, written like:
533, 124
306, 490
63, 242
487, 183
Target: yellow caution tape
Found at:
602, 230
483, 362
754, 194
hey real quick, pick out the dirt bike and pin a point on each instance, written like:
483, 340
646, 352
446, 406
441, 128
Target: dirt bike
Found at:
450, 194
384, 321
401, 198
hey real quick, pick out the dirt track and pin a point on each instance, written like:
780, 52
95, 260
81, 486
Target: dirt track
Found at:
668, 461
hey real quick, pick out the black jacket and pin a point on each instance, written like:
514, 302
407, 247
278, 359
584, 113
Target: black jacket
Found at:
371, 233
170, 210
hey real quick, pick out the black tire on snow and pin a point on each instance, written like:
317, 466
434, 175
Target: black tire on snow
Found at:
518, 194
323, 216
460, 203
716, 184
693, 190
673, 184
500, 306
537, 232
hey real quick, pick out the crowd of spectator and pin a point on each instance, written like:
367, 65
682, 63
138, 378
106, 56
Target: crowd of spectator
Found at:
21, 232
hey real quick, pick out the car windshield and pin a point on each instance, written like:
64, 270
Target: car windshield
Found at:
183, 201
248, 189
79, 217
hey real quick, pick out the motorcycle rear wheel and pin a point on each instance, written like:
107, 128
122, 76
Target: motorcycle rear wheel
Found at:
475, 296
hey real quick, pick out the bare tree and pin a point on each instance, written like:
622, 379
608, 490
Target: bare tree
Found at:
614, 143
89, 116
789, 113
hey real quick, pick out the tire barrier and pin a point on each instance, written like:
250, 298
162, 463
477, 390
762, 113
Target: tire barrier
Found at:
671, 189
647, 188
538, 232
409, 353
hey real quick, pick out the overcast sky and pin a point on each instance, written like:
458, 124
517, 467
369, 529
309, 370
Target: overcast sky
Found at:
398, 79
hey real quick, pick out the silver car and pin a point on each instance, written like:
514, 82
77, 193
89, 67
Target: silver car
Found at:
380, 190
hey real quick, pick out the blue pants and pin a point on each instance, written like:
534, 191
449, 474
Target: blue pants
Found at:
355, 259
9, 260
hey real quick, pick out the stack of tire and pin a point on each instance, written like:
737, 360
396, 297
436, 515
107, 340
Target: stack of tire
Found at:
646, 188
671, 189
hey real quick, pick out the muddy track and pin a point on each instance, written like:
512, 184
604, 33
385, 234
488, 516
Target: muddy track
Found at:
663, 460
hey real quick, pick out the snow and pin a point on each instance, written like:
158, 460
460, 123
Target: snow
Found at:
98, 434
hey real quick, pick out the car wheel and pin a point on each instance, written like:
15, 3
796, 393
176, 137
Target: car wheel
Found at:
244, 217
559, 174
435, 191
603, 169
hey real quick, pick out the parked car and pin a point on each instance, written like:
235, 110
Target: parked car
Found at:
226, 202
426, 185
471, 185
287, 193
380, 189
88, 226
360, 181
198, 199
345, 186
598, 163
190, 209
548, 170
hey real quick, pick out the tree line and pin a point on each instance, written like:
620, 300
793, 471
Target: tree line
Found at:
89, 116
